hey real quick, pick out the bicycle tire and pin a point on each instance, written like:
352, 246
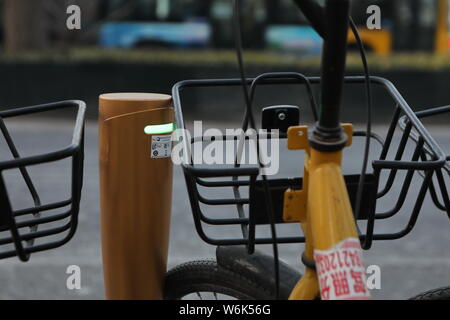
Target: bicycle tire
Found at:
207, 276
434, 294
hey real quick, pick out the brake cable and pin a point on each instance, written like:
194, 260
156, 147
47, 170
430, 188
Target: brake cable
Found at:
362, 177
268, 198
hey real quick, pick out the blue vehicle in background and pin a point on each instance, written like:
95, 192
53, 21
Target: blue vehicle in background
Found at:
127, 35
176, 24
200, 24
155, 23
292, 38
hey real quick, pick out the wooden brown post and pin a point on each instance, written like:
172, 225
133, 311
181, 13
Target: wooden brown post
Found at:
135, 193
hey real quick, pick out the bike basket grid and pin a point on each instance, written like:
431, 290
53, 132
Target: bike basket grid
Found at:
42, 225
406, 150
438, 189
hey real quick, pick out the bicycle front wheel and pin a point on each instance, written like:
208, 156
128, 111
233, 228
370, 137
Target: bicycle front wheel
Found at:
206, 280
435, 294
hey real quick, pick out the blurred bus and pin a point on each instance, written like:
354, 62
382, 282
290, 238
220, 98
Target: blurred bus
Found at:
407, 25
156, 23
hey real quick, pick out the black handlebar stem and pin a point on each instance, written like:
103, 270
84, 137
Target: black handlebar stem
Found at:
333, 23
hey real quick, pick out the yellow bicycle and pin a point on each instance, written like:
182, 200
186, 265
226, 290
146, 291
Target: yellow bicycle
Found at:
326, 203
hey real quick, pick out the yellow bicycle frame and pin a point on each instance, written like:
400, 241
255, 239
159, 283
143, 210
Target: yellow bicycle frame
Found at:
322, 206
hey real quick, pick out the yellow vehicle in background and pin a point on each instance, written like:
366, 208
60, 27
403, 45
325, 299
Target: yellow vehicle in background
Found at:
379, 41
431, 24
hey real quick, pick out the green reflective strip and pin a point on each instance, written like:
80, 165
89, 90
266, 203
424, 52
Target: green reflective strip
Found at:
159, 128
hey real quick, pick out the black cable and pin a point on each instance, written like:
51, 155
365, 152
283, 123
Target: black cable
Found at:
362, 177
268, 198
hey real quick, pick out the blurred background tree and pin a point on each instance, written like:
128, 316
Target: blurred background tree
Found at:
25, 25
31, 25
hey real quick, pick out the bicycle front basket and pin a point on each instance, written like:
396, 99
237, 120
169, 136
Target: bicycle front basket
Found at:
41, 226
403, 156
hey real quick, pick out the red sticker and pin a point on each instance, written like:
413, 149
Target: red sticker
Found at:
341, 271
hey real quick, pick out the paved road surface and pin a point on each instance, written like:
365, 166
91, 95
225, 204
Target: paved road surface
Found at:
413, 264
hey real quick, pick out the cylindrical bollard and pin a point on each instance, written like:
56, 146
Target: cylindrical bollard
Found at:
135, 192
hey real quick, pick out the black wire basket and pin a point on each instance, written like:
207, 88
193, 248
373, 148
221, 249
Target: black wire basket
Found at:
396, 161
440, 194
42, 226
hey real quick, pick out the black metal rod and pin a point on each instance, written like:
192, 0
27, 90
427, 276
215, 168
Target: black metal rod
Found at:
222, 172
433, 111
45, 207
231, 183
35, 235
390, 133
42, 108
333, 67
43, 220
223, 221
252, 226
398, 157
435, 199
218, 202
433, 193
445, 196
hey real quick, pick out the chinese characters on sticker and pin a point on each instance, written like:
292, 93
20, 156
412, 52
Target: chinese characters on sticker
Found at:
341, 271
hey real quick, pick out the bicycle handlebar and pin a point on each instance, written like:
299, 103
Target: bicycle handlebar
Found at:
314, 13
